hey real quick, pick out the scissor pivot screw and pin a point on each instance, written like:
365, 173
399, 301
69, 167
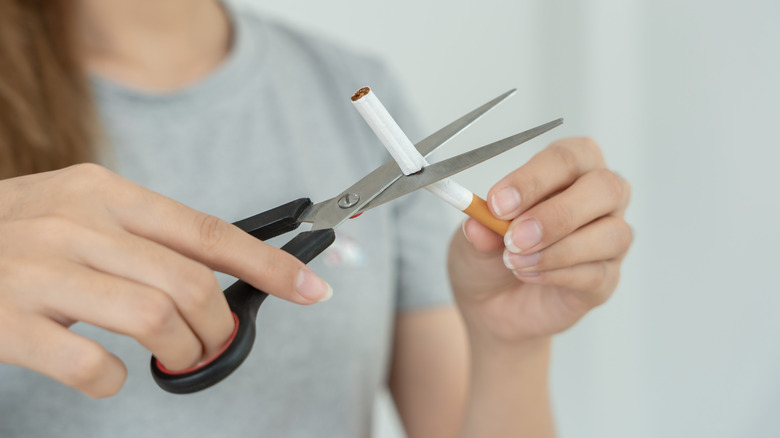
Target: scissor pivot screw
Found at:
349, 200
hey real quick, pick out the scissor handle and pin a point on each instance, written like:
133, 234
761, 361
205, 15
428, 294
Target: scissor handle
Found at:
245, 301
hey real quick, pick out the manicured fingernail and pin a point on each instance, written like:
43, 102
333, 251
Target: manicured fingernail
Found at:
518, 261
523, 236
506, 202
312, 287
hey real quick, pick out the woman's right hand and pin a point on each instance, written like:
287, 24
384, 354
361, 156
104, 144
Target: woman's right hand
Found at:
84, 244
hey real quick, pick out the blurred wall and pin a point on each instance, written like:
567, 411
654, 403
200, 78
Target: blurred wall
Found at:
683, 97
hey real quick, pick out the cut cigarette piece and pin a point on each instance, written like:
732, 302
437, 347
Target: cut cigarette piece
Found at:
390, 134
478, 209
411, 161
466, 201
452, 192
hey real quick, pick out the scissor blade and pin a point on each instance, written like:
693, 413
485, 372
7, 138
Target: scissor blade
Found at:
446, 168
329, 214
438, 138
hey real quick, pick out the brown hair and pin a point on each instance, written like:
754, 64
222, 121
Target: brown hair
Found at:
46, 111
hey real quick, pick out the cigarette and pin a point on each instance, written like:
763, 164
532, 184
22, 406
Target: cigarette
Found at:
411, 161
390, 134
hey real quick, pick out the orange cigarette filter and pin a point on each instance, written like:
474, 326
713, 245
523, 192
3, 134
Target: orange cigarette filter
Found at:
478, 209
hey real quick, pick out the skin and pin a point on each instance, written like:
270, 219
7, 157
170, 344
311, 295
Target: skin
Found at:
475, 369
83, 244
496, 357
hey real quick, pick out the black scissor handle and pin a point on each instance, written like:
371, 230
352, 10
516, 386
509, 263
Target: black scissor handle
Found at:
275, 221
245, 301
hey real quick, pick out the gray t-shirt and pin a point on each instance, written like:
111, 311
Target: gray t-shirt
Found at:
272, 124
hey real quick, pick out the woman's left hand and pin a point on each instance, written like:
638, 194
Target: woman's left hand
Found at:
562, 254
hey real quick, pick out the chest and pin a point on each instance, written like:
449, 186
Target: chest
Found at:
236, 160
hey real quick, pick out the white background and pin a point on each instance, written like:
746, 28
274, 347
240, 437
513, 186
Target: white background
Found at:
683, 97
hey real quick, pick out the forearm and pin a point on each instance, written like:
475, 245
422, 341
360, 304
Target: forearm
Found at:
508, 391
557, 261
429, 372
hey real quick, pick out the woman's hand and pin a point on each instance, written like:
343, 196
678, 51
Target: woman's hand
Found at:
83, 244
561, 256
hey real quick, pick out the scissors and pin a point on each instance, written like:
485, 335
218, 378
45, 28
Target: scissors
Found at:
384, 184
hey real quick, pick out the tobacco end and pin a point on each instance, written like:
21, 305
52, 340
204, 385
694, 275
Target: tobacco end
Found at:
360, 93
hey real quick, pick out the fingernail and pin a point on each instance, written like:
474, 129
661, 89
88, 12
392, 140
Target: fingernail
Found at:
518, 261
523, 236
522, 275
312, 287
506, 202
463, 228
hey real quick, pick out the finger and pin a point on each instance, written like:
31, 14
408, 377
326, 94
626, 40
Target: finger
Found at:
626, 199
224, 247
604, 239
125, 307
548, 172
590, 284
199, 236
595, 194
482, 238
50, 349
192, 286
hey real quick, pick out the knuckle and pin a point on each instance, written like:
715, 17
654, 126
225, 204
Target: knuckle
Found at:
154, 315
273, 265
86, 176
530, 187
612, 284
57, 227
51, 225
278, 272
85, 367
563, 217
211, 230
608, 285
80, 185
566, 158
618, 235
626, 191
58, 230
591, 146
613, 184
596, 283
198, 284
625, 236
93, 170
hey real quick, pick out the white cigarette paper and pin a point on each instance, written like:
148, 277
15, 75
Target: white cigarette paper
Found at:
390, 134
403, 151
452, 192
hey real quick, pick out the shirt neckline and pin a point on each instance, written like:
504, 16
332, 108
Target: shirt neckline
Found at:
242, 61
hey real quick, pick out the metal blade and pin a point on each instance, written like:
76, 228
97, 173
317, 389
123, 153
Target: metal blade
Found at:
438, 138
332, 212
444, 169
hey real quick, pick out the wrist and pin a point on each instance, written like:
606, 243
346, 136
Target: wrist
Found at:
487, 345
509, 394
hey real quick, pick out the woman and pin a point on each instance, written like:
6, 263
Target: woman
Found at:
230, 114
